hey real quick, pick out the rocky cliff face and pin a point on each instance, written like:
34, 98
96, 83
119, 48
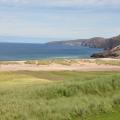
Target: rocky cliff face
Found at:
96, 42
112, 48
113, 42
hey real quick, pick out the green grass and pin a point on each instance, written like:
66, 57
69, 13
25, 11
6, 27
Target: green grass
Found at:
115, 115
67, 62
62, 95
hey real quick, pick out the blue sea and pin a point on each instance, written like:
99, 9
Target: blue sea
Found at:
25, 51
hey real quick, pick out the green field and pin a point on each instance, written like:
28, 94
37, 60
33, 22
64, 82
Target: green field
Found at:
62, 95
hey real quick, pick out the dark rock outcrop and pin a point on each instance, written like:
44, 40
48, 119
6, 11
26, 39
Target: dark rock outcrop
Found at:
106, 54
114, 53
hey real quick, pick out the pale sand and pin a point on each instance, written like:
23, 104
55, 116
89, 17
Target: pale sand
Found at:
79, 66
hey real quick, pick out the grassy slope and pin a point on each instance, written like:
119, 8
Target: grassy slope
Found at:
115, 115
59, 95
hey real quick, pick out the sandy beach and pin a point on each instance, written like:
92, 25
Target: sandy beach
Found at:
80, 65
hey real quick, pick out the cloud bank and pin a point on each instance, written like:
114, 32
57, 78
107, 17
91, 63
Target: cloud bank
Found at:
58, 3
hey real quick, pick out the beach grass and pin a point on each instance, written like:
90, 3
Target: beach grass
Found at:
65, 95
38, 62
8, 62
108, 62
66, 62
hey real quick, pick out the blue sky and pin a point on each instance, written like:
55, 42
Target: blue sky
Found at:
47, 20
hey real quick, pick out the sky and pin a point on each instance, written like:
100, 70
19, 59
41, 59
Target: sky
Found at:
48, 20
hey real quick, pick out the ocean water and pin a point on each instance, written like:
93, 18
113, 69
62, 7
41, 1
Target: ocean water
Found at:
19, 51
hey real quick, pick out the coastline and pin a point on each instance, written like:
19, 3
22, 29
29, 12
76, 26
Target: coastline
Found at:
101, 64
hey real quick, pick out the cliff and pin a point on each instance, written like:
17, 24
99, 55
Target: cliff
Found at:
112, 49
110, 45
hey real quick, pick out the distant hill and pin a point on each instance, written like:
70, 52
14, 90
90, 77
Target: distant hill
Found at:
96, 42
110, 45
68, 42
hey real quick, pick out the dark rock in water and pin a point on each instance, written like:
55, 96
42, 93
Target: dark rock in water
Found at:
98, 55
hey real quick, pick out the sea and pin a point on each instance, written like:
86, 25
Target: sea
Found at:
29, 51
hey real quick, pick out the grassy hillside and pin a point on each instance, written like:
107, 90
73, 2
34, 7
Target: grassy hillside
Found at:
59, 95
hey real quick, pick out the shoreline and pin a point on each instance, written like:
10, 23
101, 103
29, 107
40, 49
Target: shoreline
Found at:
101, 64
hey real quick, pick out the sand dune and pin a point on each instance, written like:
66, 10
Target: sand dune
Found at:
80, 65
